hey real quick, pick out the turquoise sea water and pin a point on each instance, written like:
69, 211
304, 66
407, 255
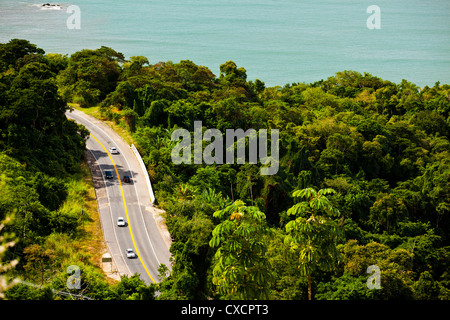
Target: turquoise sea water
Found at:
276, 41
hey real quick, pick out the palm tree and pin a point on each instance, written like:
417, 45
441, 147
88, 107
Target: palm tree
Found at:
314, 234
213, 198
184, 191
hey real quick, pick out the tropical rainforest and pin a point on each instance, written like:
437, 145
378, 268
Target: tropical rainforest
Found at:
358, 210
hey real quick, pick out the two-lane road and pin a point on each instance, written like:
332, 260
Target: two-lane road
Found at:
128, 200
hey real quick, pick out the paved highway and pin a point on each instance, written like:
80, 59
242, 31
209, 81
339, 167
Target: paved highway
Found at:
128, 200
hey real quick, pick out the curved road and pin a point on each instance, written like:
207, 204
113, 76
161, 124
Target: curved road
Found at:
128, 200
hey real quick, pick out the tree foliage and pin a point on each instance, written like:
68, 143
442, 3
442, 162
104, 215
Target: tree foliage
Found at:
315, 233
382, 146
240, 268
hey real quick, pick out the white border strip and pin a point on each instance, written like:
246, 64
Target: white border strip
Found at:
144, 169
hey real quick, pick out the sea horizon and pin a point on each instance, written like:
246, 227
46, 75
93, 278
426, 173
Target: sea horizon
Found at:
277, 42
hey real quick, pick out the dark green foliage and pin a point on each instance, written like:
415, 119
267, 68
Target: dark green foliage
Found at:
133, 288
383, 147
14, 51
39, 151
52, 191
90, 76
32, 120
26, 292
346, 287
39, 146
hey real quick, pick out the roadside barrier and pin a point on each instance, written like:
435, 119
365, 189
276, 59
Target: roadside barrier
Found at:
144, 169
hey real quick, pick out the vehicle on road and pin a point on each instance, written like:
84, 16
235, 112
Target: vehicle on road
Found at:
121, 222
113, 150
130, 254
108, 174
126, 179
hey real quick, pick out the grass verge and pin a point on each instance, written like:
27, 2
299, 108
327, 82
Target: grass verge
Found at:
118, 126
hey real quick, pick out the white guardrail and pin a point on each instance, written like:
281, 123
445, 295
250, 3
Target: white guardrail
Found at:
144, 169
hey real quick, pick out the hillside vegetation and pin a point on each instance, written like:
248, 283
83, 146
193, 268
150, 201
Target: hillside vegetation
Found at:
363, 177
45, 193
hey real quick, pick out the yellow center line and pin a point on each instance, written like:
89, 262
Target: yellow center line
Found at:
125, 207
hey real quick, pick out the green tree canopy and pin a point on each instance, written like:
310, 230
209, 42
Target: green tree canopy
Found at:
314, 234
240, 268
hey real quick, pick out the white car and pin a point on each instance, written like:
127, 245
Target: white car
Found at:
121, 222
113, 150
130, 254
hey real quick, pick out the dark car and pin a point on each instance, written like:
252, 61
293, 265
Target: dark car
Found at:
108, 174
126, 179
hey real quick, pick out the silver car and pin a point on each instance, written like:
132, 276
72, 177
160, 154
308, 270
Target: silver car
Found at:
121, 222
131, 254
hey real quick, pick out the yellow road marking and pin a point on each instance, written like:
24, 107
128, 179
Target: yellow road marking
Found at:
125, 207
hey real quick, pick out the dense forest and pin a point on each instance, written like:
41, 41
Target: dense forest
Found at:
363, 179
44, 218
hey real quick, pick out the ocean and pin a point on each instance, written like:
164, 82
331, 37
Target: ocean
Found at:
276, 41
